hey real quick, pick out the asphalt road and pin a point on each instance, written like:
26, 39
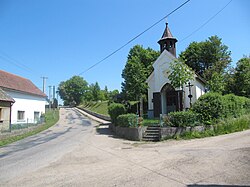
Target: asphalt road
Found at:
76, 153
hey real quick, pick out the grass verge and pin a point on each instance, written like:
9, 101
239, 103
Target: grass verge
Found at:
222, 127
97, 107
51, 118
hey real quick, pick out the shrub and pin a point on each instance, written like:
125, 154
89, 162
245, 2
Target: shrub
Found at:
127, 120
114, 110
247, 105
209, 107
232, 125
182, 119
232, 105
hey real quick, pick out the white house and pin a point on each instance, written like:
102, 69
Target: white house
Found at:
162, 96
29, 100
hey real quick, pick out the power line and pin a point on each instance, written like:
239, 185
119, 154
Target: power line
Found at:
13, 61
199, 28
134, 38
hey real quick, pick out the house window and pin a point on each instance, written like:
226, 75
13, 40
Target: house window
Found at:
20, 115
36, 117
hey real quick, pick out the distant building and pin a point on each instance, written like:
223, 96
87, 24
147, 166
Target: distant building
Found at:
26, 101
162, 96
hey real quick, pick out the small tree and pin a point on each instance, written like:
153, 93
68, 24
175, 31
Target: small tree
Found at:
180, 75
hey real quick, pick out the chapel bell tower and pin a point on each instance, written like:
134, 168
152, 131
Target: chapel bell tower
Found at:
167, 41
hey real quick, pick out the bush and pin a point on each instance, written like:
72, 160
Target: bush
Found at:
127, 120
233, 105
182, 119
114, 110
247, 105
209, 107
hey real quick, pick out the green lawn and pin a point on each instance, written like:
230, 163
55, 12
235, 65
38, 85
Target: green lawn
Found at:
97, 107
51, 117
147, 122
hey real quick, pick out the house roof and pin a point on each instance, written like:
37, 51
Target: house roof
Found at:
17, 83
5, 97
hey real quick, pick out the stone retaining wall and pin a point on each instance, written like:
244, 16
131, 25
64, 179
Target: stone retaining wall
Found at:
130, 133
103, 117
169, 132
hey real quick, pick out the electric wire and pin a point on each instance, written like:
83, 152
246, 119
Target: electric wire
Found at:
14, 62
137, 36
211, 18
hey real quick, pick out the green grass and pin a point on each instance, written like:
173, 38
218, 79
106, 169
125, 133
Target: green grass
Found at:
97, 107
147, 122
51, 117
222, 127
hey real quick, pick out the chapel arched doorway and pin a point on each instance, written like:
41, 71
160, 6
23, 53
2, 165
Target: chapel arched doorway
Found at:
171, 99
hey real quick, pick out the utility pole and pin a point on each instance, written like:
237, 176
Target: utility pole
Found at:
54, 92
50, 97
57, 93
44, 83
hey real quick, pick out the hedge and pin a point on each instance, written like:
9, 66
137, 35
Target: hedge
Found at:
181, 119
127, 120
114, 110
213, 106
209, 107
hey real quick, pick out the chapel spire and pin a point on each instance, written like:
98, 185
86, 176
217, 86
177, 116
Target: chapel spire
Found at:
167, 41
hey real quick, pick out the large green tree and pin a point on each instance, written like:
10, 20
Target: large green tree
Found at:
242, 77
94, 93
136, 71
207, 57
72, 90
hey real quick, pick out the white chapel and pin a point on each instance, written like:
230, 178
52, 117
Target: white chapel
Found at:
162, 96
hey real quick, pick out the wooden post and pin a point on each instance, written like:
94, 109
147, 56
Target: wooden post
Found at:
141, 106
10, 117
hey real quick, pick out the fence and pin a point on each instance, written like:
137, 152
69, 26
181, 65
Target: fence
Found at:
18, 125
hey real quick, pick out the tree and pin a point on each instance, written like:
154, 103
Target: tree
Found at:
180, 74
229, 81
114, 96
207, 57
94, 93
242, 77
217, 83
106, 93
136, 71
72, 90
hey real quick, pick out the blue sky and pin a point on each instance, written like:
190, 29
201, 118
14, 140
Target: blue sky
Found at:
62, 38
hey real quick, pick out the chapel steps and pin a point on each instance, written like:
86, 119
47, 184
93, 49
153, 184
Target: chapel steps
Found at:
152, 133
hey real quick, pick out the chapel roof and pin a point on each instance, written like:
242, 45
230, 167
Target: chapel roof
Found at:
167, 33
17, 83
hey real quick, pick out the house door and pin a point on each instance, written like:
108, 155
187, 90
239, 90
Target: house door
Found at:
157, 104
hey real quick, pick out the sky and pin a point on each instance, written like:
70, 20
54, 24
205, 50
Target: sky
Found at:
62, 38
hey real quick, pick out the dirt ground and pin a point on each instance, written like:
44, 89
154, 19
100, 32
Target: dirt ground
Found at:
81, 154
